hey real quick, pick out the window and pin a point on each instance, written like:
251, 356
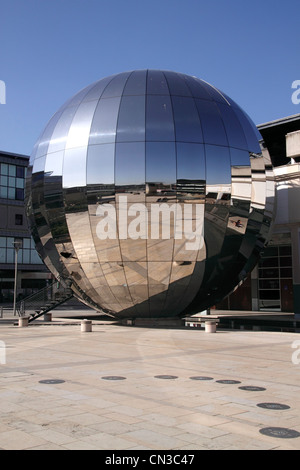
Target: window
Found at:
26, 255
18, 219
12, 181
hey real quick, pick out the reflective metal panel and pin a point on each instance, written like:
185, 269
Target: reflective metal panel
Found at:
148, 192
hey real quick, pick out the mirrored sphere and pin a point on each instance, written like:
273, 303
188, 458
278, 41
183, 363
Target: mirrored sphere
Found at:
148, 191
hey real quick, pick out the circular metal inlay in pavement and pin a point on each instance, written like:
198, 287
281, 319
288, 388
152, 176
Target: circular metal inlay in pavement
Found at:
273, 406
113, 377
166, 377
252, 388
51, 381
199, 377
228, 381
282, 433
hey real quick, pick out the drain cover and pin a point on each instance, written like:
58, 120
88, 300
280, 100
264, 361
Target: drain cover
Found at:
113, 377
51, 381
228, 381
252, 388
283, 433
200, 377
273, 406
166, 377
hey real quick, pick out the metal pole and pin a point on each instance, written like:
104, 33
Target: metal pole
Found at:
17, 245
16, 278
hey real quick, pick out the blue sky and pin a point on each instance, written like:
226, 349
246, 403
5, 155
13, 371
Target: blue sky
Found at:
50, 49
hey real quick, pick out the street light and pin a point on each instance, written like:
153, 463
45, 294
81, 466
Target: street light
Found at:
17, 244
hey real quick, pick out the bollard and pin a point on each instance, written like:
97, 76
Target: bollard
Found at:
48, 317
210, 326
86, 326
23, 321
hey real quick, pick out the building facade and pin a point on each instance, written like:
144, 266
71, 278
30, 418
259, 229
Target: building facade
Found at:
274, 284
32, 273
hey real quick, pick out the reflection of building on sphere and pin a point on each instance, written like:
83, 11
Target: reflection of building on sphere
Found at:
156, 138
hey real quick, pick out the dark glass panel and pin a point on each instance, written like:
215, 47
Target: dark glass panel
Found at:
216, 94
234, 130
156, 83
131, 120
196, 88
103, 128
211, 123
218, 165
177, 85
159, 118
285, 250
136, 83
251, 133
186, 118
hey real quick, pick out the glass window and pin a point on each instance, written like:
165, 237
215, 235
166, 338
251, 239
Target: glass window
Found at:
20, 172
26, 256
4, 180
10, 256
11, 182
2, 242
4, 169
187, 123
103, 129
11, 193
161, 162
136, 83
190, 161
3, 192
12, 170
157, 83
19, 194
97, 89
18, 219
130, 164
218, 169
131, 120
101, 164
2, 255
159, 118
26, 243
211, 123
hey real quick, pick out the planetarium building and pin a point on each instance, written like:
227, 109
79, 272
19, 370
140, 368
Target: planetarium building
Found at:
148, 192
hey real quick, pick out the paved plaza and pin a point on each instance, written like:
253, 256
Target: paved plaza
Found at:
131, 388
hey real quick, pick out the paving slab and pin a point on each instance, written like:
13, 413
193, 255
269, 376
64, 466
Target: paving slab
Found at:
54, 392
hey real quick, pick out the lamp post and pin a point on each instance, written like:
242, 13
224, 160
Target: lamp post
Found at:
17, 244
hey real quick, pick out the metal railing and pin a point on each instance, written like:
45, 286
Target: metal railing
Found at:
44, 300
